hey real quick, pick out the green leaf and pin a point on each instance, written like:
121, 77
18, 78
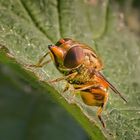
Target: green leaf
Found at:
26, 113
27, 27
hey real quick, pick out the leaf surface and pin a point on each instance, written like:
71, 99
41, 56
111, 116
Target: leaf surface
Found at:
27, 27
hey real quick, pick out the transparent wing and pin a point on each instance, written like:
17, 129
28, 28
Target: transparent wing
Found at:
100, 75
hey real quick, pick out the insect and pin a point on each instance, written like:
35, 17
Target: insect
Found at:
81, 67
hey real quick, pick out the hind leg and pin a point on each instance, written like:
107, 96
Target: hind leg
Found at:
100, 94
100, 109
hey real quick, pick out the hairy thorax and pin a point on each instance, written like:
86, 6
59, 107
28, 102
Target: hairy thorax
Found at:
86, 69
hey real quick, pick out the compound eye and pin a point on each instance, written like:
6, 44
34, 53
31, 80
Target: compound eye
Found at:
74, 57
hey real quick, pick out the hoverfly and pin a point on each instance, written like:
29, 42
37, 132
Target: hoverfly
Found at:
81, 67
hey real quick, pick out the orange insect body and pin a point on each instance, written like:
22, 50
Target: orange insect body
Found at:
81, 67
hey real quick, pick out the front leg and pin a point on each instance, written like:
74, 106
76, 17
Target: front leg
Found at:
40, 63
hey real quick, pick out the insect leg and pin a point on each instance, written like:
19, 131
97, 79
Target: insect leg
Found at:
66, 88
72, 75
100, 109
40, 63
84, 87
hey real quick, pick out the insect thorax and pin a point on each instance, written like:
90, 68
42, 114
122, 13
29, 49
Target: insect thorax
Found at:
82, 77
85, 71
